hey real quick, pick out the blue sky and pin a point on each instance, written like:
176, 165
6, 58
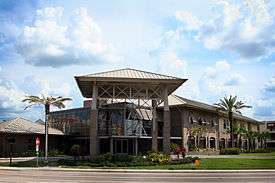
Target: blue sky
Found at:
221, 47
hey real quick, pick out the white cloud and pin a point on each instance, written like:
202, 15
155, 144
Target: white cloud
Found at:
220, 79
265, 105
190, 22
245, 29
50, 41
235, 79
171, 60
219, 67
10, 97
46, 86
270, 85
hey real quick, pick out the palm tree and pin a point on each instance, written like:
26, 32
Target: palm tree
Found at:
265, 135
250, 135
46, 102
231, 105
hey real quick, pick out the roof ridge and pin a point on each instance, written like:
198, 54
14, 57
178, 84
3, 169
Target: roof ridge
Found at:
182, 98
115, 70
149, 72
137, 70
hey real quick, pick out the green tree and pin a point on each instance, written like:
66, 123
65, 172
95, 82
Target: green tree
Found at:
47, 102
263, 137
231, 105
250, 135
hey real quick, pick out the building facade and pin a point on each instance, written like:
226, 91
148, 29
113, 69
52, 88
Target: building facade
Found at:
136, 120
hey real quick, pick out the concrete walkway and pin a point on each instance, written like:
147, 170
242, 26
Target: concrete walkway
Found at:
128, 170
18, 159
133, 176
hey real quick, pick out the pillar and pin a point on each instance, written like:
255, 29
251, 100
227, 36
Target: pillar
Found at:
184, 134
111, 145
185, 138
93, 125
154, 127
166, 123
216, 143
136, 146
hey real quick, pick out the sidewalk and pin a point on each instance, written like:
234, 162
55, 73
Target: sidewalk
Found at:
130, 170
18, 159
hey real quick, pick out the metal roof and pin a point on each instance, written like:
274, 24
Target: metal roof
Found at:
130, 73
123, 78
175, 100
21, 125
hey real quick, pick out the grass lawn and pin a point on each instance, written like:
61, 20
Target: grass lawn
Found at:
272, 154
208, 163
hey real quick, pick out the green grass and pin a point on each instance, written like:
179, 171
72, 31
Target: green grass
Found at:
236, 163
206, 164
272, 154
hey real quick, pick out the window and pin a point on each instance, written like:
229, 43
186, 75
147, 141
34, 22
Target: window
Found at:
212, 123
224, 124
191, 120
200, 121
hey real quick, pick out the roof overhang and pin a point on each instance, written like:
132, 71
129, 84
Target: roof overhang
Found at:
134, 87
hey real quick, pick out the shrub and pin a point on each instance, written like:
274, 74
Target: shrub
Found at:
158, 158
174, 147
260, 150
66, 162
186, 160
230, 151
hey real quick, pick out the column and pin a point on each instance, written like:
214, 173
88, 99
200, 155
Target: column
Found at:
166, 123
184, 134
154, 127
184, 138
136, 146
111, 145
216, 143
93, 125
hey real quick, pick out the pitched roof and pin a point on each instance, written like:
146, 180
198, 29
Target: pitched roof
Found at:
130, 73
177, 100
21, 125
127, 77
174, 100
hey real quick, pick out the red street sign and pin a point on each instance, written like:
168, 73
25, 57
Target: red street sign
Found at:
37, 141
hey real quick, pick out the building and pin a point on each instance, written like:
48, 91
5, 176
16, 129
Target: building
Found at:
21, 133
270, 126
131, 111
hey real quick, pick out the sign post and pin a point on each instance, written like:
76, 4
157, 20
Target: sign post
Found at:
37, 143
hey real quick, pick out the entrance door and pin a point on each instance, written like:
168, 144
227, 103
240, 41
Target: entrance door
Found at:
121, 146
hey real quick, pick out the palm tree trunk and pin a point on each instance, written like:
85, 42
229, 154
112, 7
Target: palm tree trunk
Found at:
230, 117
47, 111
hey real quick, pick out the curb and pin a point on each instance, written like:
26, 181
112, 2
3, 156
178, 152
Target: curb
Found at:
134, 170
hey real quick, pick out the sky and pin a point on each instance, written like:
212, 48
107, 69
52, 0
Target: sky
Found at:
221, 47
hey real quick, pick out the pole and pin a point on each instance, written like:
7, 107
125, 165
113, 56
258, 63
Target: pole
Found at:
46, 140
10, 153
37, 158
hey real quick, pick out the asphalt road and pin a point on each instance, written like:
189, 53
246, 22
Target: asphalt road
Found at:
52, 176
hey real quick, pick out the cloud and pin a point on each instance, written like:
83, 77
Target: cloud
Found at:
234, 79
245, 29
270, 86
190, 22
265, 105
54, 41
10, 99
220, 79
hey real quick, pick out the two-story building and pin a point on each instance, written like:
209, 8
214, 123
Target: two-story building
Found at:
132, 111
